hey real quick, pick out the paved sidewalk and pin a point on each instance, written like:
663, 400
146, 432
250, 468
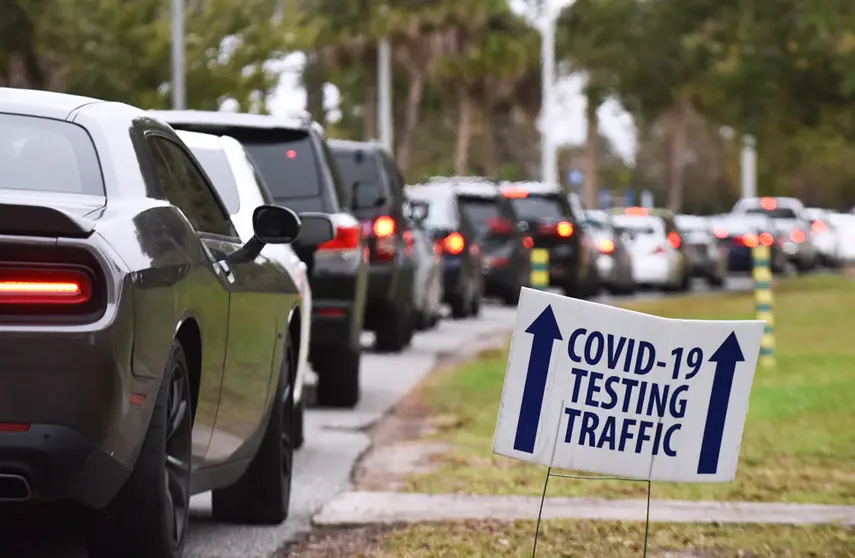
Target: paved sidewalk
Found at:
360, 508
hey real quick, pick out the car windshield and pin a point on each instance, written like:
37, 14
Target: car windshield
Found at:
442, 214
216, 165
538, 207
45, 155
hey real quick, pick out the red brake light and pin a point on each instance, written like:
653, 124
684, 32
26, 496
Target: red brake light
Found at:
500, 226
39, 286
454, 243
346, 238
636, 211
720, 232
767, 239
607, 246
514, 193
747, 240
819, 227
768, 203
797, 236
674, 239
564, 229
528, 242
384, 226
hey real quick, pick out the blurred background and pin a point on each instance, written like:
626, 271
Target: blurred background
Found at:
653, 95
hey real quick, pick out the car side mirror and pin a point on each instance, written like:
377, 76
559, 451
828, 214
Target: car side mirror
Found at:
368, 194
318, 228
271, 224
419, 211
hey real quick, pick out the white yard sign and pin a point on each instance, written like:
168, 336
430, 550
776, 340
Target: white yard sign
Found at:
599, 389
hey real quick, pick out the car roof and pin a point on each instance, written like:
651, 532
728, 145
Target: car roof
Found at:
47, 104
351, 145
231, 119
621, 219
531, 187
199, 139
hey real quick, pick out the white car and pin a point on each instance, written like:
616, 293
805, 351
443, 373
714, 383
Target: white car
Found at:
657, 261
844, 224
242, 189
824, 234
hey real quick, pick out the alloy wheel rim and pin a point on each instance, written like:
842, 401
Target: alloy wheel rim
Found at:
177, 479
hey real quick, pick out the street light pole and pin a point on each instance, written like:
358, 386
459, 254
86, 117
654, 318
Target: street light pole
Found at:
179, 89
549, 166
749, 166
384, 98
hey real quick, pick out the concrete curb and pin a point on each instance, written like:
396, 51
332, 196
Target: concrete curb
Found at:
363, 508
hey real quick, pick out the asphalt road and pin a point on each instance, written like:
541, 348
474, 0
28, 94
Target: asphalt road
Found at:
334, 441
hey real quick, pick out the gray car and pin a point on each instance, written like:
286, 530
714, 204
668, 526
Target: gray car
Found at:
708, 259
147, 353
614, 260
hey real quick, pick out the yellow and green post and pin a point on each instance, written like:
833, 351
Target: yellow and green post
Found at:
540, 269
763, 303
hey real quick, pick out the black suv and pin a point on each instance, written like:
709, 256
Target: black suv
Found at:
505, 248
298, 168
553, 225
456, 240
377, 201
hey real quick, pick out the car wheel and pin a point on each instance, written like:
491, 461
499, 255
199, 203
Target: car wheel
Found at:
395, 332
262, 495
148, 516
300, 421
459, 307
338, 376
475, 307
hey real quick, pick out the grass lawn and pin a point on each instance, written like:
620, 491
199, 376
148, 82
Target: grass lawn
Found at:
606, 539
799, 441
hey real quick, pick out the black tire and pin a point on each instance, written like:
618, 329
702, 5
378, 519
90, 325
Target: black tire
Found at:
148, 516
338, 376
300, 421
395, 331
459, 307
475, 307
715, 282
262, 495
512, 296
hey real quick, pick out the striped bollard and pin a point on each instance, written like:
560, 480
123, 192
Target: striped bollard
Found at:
540, 269
763, 303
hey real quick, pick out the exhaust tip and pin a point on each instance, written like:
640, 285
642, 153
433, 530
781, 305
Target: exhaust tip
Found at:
14, 488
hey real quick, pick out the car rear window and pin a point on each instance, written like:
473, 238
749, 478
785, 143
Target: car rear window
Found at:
354, 166
639, 225
289, 168
216, 165
479, 210
534, 207
777, 213
46, 155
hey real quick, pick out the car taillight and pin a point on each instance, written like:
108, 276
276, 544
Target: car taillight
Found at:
44, 287
500, 226
767, 239
453, 243
674, 240
747, 240
819, 227
659, 250
797, 236
528, 242
607, 246
562, 229
346, 238
720, 232
384, 227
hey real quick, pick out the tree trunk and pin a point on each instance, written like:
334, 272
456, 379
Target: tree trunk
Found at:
369, 125
313, 81
411, 119
677, 156
491, 147
464, 135
592, 141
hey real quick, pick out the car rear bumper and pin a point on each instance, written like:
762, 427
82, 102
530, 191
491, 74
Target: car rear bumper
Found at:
331, 323
59, 463
655, 271
501, 280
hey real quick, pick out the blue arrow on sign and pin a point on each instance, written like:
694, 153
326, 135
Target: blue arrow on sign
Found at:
725, 357
545, 331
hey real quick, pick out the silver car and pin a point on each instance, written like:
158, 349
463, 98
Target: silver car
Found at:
792, 227
614, 260
707, 258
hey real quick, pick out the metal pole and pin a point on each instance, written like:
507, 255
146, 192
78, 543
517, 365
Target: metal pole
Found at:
549, 166
749, 167
763, 303
384, 88
179, 89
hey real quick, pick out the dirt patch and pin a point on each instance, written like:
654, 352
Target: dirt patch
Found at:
398, 447
344, 543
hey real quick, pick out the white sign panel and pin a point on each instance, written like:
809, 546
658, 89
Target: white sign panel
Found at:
595, 388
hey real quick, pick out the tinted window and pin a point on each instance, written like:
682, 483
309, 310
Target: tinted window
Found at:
289, 167
535, 207
639, 225
216, 165
778, 213
356, 165
442, 214
187, 189
598, 226
259, 181
47, 155
479, 210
